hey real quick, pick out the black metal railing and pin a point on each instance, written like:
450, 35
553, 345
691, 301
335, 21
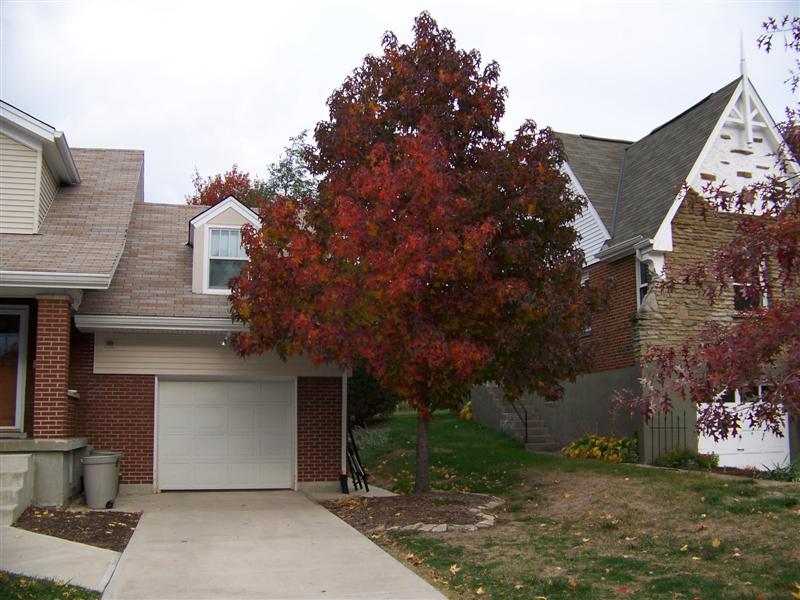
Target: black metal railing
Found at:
358, 473
667, 433
523, 419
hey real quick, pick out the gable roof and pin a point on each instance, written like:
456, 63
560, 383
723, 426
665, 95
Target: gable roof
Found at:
655, 166
154, 276
83, 236
633, 185
29, 130
596, 163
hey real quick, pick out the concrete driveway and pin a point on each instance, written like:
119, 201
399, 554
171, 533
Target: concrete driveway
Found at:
273, 544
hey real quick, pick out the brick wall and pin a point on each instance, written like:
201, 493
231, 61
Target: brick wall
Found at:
319, 428
611, 337
115, 411
54, 414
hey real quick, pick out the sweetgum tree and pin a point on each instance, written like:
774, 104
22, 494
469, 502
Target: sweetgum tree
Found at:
439, 254
761, 347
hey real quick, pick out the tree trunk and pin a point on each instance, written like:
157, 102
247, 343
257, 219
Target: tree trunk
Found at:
423, 455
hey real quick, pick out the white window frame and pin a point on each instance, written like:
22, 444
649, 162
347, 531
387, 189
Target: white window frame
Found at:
639, 284
22, 366
207, 289
587, 328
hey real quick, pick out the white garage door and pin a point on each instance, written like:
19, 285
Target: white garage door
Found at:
751, 448
225, 435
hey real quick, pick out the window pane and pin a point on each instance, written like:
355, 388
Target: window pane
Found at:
220, 272
215, 242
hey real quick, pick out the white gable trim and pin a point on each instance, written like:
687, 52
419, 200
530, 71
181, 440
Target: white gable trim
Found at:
662, 241
38, 135
588, 234
589, 205
229, 203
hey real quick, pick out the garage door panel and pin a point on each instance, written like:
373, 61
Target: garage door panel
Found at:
274, 447
218, 435
177, 445
242, 419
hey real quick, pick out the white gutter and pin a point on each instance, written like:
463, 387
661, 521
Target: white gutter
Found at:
47, 279
140, 323
71, 171
621, 249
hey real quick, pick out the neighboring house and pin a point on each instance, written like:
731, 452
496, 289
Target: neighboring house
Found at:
114, 327
635, 225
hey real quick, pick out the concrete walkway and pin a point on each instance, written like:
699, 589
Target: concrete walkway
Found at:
276, 545
28, 553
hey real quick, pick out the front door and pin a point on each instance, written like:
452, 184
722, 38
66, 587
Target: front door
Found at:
13, 354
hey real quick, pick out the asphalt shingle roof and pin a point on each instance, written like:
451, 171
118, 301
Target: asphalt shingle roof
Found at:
653, 168
84, 230
658, 164
154, 276
596, 163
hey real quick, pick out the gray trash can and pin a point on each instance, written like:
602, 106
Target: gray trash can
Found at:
116, 453
100, 479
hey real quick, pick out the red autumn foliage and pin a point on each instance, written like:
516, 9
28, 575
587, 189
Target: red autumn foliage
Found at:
762, 345
438, 254
209, 191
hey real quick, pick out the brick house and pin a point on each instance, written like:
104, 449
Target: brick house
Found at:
114, 326
634, 226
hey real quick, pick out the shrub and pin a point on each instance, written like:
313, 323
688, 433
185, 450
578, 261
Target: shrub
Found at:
466, 412
366, 399
790, 472
681, 458
604, 448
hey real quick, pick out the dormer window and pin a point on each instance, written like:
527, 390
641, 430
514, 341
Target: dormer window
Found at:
215, 236
226, 256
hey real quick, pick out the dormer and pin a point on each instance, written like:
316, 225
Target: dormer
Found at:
34, 161
215, 236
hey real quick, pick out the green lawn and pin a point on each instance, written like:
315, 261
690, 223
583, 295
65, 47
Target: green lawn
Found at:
19, 587
573, 528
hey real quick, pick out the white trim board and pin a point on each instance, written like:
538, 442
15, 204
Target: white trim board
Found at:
147, 323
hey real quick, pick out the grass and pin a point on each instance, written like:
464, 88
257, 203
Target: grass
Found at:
20, 587
574, 528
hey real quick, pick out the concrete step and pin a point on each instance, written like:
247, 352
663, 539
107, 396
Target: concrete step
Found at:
9, 514
9, 479
538, 431
10, 494
16, 486
542, 447
541, 439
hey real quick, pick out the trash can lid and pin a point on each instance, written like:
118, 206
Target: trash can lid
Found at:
99, 459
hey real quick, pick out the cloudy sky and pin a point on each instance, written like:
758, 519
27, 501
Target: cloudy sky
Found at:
208, 84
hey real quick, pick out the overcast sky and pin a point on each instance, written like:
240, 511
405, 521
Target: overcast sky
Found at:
209, 84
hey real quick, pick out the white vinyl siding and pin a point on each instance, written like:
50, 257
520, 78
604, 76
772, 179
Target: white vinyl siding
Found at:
592, 234
18, 174
193, 354
47, 192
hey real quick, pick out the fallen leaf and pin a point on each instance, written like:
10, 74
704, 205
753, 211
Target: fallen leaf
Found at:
567, 494
573, 583
480, 591
695, 558
454, 569
519, 586
684, 548
715, 543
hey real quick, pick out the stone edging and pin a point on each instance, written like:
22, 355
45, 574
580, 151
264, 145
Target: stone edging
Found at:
485, 519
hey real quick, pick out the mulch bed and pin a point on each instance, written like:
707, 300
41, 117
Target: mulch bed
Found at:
105, 529
367, 514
